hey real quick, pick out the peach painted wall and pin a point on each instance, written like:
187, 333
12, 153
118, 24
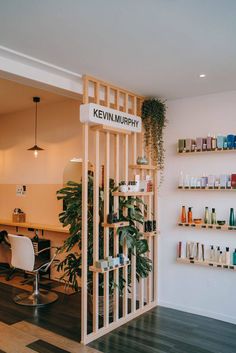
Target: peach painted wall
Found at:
60, 134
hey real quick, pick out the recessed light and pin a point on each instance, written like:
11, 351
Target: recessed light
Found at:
202, 75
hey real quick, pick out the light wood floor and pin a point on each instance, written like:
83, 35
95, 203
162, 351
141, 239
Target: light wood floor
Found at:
24, 337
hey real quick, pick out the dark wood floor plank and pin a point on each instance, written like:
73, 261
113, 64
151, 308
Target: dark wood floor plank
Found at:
170, 331
41, 346
161, 330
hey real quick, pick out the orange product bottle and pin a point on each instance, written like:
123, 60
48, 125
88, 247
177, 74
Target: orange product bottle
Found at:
190, 215
183, 215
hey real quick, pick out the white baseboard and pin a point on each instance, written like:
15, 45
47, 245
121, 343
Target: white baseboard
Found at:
198, 311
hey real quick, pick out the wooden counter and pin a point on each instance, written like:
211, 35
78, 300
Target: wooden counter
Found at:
35, 226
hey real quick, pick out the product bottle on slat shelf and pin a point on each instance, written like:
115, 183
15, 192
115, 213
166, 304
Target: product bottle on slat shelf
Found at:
183, 215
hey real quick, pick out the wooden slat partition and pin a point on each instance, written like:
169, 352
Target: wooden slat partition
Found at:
125, 146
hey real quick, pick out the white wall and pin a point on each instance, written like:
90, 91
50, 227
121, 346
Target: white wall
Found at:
205, 291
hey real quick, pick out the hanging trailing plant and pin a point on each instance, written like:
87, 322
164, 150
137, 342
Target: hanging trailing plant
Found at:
154, 122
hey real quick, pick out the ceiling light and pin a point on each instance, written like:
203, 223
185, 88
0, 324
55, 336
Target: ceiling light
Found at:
76, 160
36, 148
202, 75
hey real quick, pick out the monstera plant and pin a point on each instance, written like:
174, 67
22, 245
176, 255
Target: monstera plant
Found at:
130, 211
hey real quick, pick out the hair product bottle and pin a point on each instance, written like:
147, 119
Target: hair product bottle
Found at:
183, 215
220, 260
231, 217
206, 216
213, 143
227, 256
213, 216
212, 253
181, 180
234, 257
190, 215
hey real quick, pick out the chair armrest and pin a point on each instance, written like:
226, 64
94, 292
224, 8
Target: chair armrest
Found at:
48, 248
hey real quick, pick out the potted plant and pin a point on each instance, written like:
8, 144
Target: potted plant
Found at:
71, 195
154, 121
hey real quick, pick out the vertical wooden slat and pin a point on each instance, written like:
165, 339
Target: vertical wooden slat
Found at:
97, 92
133, 262
84, 247
125, 250
141, 280
106, 229
116, 236
149, 215
96, 230
84, 231
117, 96
155, 243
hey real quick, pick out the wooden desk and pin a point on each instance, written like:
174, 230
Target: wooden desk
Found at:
35, 226
55, 233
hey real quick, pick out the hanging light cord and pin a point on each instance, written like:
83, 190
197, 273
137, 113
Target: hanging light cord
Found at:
36, 123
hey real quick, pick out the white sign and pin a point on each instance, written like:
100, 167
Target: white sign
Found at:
98, 114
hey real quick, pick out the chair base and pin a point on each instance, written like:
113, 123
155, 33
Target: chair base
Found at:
31, 299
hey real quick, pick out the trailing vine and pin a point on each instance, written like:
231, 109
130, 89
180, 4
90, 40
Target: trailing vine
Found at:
154, 121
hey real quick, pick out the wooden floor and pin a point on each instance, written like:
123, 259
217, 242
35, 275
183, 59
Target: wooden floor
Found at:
51, 329
165, 330
56, 329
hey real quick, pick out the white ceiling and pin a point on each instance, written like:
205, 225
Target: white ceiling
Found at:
153, 47
16, 97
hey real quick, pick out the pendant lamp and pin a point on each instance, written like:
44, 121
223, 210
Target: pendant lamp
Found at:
36, 148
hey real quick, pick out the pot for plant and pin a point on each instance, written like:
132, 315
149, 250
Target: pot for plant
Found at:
100, 304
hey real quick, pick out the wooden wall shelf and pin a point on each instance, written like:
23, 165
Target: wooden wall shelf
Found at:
206, 189
206, 264
142, 167
202, 152
150, 234
104, 270
116, 225
139, 193
225, 227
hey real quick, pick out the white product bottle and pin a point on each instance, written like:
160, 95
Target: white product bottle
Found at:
181, 180
186, 181
227, 256
212, 253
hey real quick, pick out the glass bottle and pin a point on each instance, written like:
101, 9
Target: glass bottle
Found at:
206, 217
183, 215
231, 217
213, 216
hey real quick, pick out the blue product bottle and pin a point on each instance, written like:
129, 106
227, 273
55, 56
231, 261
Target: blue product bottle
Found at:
235, 141
230, 141
231, 217
220, 142
234, 257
